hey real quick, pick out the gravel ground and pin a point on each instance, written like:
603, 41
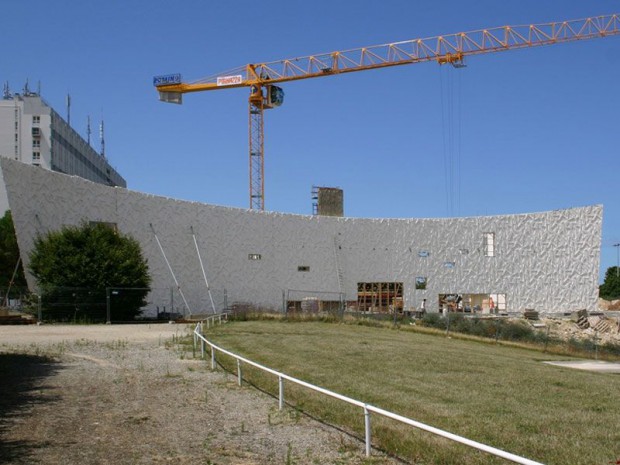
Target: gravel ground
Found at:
126, 394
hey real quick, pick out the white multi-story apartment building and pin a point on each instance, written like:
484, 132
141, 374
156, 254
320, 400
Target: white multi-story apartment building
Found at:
33, 133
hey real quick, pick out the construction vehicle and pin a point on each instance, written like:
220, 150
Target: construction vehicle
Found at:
263, 78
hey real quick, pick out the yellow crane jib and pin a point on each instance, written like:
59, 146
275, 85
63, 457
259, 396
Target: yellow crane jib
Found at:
451, 49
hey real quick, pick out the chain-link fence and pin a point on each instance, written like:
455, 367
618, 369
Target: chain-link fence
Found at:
91, 305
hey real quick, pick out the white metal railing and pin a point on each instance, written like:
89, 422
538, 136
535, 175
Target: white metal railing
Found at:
367, 408
212, 319
209, 321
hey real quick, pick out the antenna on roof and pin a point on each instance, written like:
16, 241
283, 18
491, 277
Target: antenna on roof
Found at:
6, 93
88, 129
26, 89
39, 88
102, 139
69, 109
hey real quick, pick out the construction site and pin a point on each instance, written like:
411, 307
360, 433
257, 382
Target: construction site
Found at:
207, 259
467, 338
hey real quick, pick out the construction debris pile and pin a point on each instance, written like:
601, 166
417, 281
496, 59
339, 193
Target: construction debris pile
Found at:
582, 325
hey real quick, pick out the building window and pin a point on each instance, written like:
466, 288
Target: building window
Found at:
423, 253
36, 132
380, 297
254, 256
36, 156
36, 119
449, 265
488, 244
420, 282
36, 143
497, 302
303, 268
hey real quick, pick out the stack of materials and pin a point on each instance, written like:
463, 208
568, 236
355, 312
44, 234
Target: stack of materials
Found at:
580, 318
601, 324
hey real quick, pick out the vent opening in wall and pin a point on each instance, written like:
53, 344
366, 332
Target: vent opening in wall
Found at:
303, 268
254, 256
423, 253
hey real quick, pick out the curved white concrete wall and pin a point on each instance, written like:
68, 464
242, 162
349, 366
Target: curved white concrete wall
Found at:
546, 261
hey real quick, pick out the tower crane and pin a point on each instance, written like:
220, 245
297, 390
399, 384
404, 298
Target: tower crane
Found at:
262, 78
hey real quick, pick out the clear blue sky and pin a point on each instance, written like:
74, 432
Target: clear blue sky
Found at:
520, 131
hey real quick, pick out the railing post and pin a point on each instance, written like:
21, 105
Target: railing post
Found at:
212, 358
367, 428
239, 372
281, 392
202, 349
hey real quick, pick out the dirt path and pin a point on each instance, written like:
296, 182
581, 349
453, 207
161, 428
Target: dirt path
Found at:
126, 395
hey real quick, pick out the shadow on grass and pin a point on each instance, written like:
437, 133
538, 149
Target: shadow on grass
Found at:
21, 387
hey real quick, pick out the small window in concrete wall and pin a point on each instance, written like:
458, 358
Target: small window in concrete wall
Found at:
488, 244
380, 297
254, 256
449, 265
303, 268
420, 282
424, 253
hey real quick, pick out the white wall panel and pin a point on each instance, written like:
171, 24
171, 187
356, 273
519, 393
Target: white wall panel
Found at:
546, 261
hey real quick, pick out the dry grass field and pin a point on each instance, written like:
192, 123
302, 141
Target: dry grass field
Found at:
498, 395
131, 394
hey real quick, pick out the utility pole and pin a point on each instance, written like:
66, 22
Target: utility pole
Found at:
617, 246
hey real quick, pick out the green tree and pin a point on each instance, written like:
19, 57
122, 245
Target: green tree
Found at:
610, 289
75, 266
9, 258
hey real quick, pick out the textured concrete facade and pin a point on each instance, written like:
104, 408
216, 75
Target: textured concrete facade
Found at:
545, 261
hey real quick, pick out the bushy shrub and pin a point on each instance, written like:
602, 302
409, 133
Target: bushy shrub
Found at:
433, 320
516, 331
487, 328
77, 264
611, 348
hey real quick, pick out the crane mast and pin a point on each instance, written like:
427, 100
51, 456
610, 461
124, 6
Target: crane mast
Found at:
449, 49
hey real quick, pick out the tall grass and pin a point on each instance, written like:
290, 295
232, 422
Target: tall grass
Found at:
498, 395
